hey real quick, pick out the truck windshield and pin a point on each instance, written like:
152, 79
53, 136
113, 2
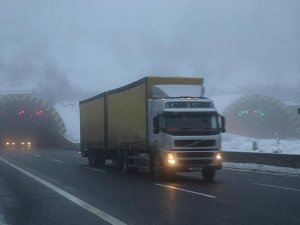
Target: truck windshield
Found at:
190, 123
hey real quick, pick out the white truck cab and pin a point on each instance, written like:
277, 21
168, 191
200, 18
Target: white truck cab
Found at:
185, 131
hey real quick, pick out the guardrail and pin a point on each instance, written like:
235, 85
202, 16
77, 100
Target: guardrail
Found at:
272, 159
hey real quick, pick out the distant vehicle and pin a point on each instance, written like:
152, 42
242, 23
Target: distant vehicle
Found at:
161, 125
14, 143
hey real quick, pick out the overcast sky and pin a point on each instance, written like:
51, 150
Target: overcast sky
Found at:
102, 44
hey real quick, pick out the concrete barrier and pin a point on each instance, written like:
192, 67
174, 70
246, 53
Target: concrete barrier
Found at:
283, 160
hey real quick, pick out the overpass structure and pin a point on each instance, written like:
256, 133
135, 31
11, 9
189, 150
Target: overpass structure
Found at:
262, 116
24, 116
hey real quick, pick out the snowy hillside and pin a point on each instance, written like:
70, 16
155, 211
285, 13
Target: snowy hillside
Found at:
69, 112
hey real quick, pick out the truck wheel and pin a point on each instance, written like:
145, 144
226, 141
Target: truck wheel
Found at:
127, 169
156, 168
91, 157
169, 174
101, 161
208, 174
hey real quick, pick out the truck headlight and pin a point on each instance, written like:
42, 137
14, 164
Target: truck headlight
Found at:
219, 156
171, 159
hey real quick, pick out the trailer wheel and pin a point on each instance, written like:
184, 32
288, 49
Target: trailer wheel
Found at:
125, 165
208, 174
100, 161
91, 157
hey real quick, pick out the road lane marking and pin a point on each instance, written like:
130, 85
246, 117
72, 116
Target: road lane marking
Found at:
184, 190
56, 160
2, 220
101, 214
89, 168
37, 155
273, 186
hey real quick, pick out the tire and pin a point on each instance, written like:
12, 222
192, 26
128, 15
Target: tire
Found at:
169, 174
100, 161
125, 166
91, 157
95, 158
157, 171
208, 174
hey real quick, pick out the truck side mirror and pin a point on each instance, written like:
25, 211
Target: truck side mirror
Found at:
223, 124
155, 122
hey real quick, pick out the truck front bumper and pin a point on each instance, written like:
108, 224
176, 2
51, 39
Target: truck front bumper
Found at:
193, 161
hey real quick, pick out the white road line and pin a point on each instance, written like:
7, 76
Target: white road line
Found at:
89, 168
56, 160
273, 186
184, 190
104, 216
37, 155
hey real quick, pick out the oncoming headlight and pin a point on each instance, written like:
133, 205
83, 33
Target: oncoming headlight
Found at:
219, 156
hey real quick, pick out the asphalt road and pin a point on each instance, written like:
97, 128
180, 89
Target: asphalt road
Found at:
56, 187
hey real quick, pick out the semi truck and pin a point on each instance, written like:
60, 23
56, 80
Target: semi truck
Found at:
160, 125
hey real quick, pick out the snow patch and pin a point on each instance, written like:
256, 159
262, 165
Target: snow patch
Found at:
262, 168
232, 142
69, 112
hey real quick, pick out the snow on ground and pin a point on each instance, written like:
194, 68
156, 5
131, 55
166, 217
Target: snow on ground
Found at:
69, 112
261, 168
237, 143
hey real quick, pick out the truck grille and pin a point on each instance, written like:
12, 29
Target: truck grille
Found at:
195, 143
194, 154
195, 162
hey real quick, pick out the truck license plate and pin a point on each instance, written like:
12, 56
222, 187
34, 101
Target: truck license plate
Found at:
194, 168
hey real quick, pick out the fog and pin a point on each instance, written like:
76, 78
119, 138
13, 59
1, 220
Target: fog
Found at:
76, 48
